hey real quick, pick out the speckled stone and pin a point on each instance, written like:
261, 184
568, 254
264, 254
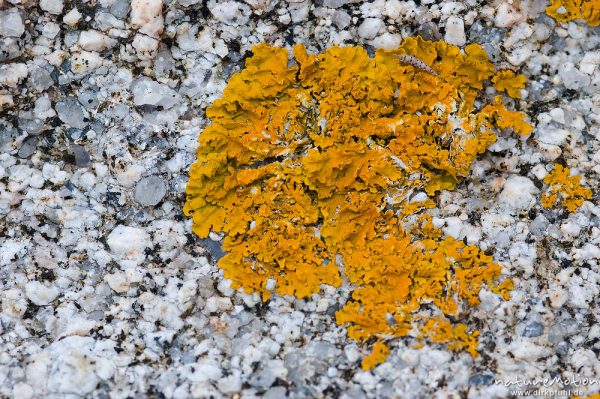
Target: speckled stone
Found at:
149, 191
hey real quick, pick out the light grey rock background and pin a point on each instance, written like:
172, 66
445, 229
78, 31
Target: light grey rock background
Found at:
104, 290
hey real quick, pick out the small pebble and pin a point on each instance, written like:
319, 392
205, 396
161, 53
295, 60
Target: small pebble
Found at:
52, 6
149, 191
82, 158
370, 28
41, 294
149, 92
533, 329
72, 17
28, 148
71, 113
11, 23
455, 31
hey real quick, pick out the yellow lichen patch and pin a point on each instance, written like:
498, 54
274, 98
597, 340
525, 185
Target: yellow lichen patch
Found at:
503, 118
507, 81
456, 337
564, 190
594, 396
378, 355
569, 10
318, 165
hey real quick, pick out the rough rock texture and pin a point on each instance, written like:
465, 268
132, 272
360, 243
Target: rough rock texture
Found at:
150, 190
104, 290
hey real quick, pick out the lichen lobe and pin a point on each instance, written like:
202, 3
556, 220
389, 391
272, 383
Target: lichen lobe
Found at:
569, 10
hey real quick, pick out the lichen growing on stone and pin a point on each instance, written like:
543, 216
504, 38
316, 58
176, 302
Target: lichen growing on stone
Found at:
569, 10
564, 190
456, 336
593, 396
377, 356
509, 82
316, 166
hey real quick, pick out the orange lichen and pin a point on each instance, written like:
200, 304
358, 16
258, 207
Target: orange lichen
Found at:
564, 190
569, 10
442, 331
326, 164
378, 355
509, 82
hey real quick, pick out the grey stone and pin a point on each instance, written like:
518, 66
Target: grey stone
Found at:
479, 33
337, 3
385, 390
71, 38
88, 99
106, 21
264, 378
332, 309
10, 48
275, 393
573, 78
355, 392
74, 134
341, 19
429, 31
562, 348
82, 158
28, 147
149, 92
455, 31
96, 315
97, 127
7, 136
188, 357
481, 379
120, 8
149, 191
31, 125
557, 333
533, 329
539, 226
40, 79
303, 392
322, 350
301, 367
214, 247
70, 112
52, 6
370, 27
230, 12
120, 111
164, 62
11, 23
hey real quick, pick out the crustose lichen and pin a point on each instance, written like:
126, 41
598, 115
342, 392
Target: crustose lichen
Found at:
327, 164
569, 10
564, 190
